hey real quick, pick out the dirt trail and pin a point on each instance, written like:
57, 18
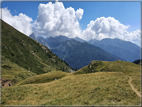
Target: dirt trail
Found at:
133, 88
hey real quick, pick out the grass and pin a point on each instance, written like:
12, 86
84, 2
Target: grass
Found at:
128, 68
101, 88
112, 66
99, 83
13, 72
44, 78
136, 80
106, 85
27, 53
98, 88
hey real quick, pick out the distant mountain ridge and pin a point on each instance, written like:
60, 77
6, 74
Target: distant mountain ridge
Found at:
79, 39
77, 54
53, 42
50, 42
124, 49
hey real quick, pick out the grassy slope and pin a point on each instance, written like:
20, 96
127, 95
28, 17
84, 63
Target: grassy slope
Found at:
21, 54
100, 88
13, 72
44, 78
113, 66
127, 68
27, 53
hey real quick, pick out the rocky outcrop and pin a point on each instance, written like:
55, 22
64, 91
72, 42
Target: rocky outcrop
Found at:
5, 83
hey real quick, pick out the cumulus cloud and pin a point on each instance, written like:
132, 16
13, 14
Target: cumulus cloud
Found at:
54, 19
110, 28
20, 22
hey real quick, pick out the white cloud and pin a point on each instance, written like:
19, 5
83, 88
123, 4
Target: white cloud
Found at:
110, 28
134, 37
54, 19
20, 22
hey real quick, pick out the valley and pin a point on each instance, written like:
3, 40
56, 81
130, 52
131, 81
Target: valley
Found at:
71, 49
31, 73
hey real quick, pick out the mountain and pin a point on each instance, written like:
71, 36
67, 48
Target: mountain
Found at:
39, 39
21, 53
79, 39
50, 42
120, 48
53, 42
78, 54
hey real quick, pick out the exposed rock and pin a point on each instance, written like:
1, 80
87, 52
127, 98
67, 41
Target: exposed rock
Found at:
5, 83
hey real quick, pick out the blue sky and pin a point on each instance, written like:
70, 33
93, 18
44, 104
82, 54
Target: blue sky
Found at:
87, 20
127, 13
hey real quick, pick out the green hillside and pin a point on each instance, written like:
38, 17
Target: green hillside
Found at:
13, 72
26, 55
102, 87
112, 66
44, 78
